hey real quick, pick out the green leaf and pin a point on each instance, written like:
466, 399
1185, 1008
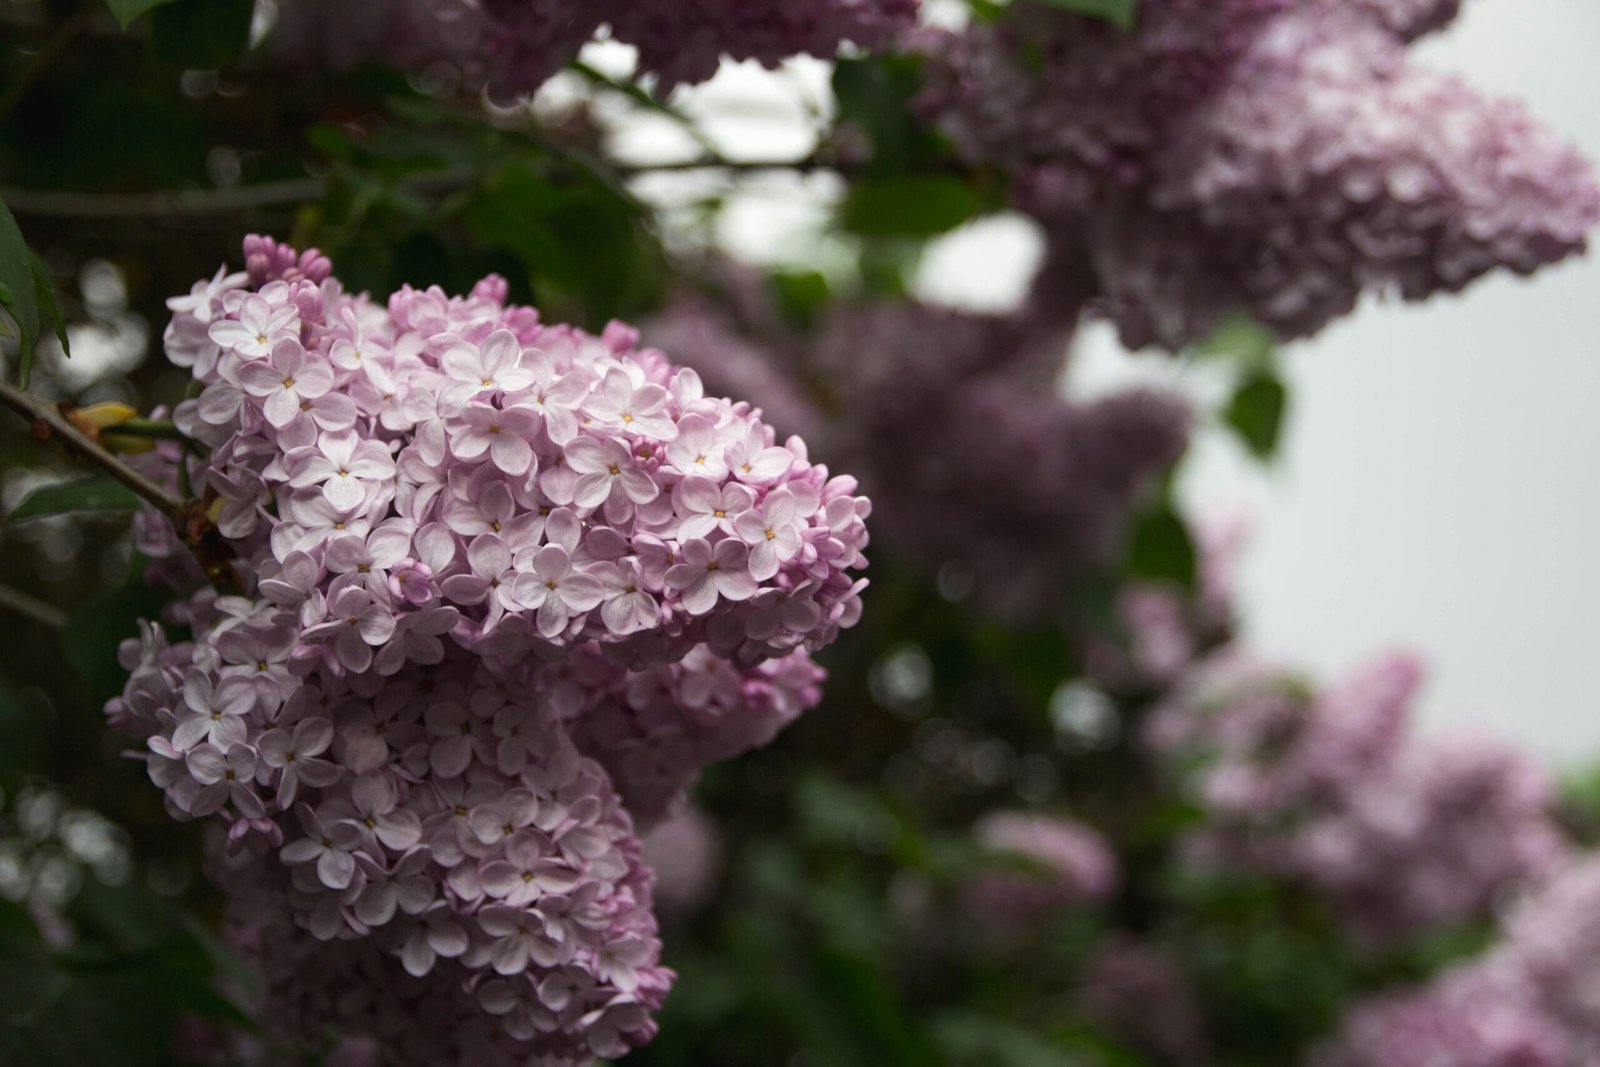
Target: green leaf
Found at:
874, 98
19, 293
802, 295
858, 1002
1119, 12
128, 10
1256, 414
909, 205
968, 1039
44, 292
200, 34
584, 245
97, 626
1162, 549
1241, 338
85, 494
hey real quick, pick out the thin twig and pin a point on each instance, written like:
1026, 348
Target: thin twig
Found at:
31, 607
48, 423
650, 103
188, 517
50, 203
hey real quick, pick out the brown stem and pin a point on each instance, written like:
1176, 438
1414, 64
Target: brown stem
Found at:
48, 422
50, 203
188, 517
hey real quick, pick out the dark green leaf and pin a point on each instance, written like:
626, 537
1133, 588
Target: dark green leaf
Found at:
200, 34
909, 205
116, 995
128, 10
1256, 413
874, 99
1162, 549
19, 295
858, 1002
801, 294
832, 812
967, 1039
100, 624
1120, 12
583, 243
85, 494
44, 292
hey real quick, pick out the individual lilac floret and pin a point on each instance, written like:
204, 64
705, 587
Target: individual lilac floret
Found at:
1275, 156
1044, 866
1402, 836
512, 46
505, 589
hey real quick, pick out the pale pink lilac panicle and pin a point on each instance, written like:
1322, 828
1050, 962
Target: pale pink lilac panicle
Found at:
476, 644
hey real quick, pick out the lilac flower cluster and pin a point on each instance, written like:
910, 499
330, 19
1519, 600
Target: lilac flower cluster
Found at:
1400, 835
1135, 990
512, 46
1165, 630
1533, 1000
1474, 1016
955, 424
507, 587
1275, 156
1049, 864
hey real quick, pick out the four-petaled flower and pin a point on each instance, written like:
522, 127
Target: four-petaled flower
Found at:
634, 409
606, 469
258, 328
491, 366
288, 379
555, 590
294, 755
529, 871
343, 464
706, 572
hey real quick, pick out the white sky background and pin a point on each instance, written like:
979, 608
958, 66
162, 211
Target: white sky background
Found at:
1437, 487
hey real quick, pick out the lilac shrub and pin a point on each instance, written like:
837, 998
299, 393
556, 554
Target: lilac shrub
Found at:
1401, 835
1136, 990
1531, 1001
1045, 866
956, 425
504, 589
1275, 156
512, 46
